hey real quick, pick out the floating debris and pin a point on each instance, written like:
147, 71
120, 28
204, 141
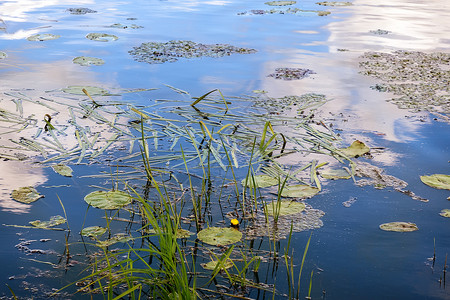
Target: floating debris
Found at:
121, 26
283, 208
108, 200
88, 61
80, 11
54, 221
445, 213
219, 236
377, 177
93, 231
380, 32
299, 191
63, 170
156, 53
290, 10
349, 202
3, 55
399, 227
280, 3
291, 73
260, 181
102, 37
356, 149
438, 181
43, 37
27, 194
334, 3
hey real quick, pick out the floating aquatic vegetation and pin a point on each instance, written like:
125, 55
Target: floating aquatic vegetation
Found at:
88, 61
300, 103
334, 3
212, 264
180, 233
156, 53
219, 236
335, 174
349, 202
280, 3
399, 226
380, 31
92, 90
445, 213
418, 80
291, 73
63, 170
43, 37
260, 181
3, 55
117, 238
108, 200
102, 37
93, 231
284, 208
299, 191
438, 181
80, 11
132, 26
27, 194
54, 221
357, 148
290, 10
377, 177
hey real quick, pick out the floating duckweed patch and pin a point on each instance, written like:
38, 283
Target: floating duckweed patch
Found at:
102, 37
399, 227
418, 80
438, 181
212, 264
280, 3
335, 174
118, 238
357, 148
291, 73
301, 103
54, 221
376, 176
294, 11
88, 61
3, 55
27, 194
260, 181
334, 3
80, 11
43, 37
299, 191
108, 200
380, 32
122, 26
445, 213
156, 53
284, 208
92, 90
63, 170
93, 231
219, 236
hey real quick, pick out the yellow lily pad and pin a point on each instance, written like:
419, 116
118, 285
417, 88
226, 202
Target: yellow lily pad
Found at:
284, 208
212, 264
93, 231
88, 61
108, 200
438, 181
357, 148
299, 191
63, 170
26, 194
399, 226
219, 236
445, 213
102, 37
335, 174
54, 221
261, 181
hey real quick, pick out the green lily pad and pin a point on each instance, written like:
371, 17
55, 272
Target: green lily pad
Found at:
357, 148
93, 231
54, 221
26, 194
3, 55
108, 200
212, 264
399, 226
88, 61
102, 37
335, 174
445, 213
92, 90
118, 238
299, 191
181, 233
261, 181
43, 37
63, 170
280, 3
285, 208
219, 236
438, 181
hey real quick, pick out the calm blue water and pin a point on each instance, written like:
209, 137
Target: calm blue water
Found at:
350, 256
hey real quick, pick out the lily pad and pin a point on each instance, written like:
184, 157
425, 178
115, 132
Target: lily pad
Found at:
334, 3
285, 208
335, 174
280, 3
261, 181
43, 37
299, 191
26, 194
438, 181
102, 37
445, 213
108, 200
93, 231
399, 226
118, 238
219, 236
357, 148
3, 55
92, 90
181, 233
63, 170
88, 61
54, 221
212, 264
